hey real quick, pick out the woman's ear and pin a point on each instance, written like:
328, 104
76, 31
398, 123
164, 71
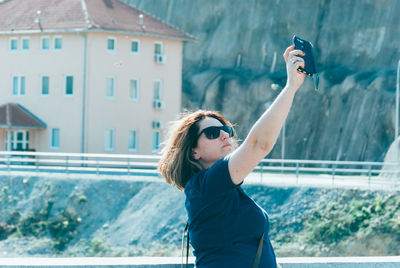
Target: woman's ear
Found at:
195, 154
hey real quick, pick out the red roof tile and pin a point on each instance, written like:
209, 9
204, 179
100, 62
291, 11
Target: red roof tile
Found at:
21, 15
78, 15
15, 115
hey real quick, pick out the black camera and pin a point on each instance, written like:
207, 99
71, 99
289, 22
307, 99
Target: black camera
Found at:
310, 67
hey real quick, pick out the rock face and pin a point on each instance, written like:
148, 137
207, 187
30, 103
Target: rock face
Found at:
238, 56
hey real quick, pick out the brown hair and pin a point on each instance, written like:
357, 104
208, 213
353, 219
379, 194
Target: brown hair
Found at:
177, 164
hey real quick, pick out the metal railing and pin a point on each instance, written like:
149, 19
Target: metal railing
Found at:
355, 168
147, 164
79, 163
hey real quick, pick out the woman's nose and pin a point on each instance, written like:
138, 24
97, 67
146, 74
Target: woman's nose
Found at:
224, 135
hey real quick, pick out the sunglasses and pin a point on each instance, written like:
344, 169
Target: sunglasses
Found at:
214, 132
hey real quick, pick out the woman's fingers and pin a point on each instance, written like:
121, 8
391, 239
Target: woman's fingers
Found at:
293, 62
297, 69
291, 54
297, 61
296, 52
286, 53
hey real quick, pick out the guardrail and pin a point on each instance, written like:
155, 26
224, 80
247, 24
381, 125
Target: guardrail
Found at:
147, 164
78, 163
362, 168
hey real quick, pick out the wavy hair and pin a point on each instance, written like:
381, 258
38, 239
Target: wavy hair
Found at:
177, 164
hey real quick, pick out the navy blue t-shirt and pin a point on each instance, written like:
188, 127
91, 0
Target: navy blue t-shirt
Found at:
225, 224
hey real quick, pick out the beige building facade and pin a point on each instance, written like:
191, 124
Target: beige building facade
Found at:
93, 88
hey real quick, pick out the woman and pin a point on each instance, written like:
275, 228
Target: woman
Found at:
226, 227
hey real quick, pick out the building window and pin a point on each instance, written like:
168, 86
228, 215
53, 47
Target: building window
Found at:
156, 141
110, 91
135, 46
55, 138
159, 56
14, 44
16, 140
69, 85
111, 44
18, 85
109, 140
158, 48
157, 90
132, 142
45, 43
134, 89
25, 43
45, 85
58, 43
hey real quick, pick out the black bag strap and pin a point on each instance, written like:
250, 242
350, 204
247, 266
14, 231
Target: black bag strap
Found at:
256, 262
187, 245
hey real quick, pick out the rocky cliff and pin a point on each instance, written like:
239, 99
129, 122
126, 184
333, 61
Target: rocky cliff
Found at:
236, 66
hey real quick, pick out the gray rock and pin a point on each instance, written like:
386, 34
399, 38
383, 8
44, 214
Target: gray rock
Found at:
240, 43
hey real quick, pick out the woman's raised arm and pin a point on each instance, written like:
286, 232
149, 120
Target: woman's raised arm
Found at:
264, 133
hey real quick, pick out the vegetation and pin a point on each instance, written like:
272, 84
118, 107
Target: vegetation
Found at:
324, 223
99, 248
357, 223
61, 227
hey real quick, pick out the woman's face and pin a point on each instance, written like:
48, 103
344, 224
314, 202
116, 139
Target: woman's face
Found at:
208, 151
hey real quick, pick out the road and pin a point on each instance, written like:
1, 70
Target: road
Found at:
324, 180
265, 178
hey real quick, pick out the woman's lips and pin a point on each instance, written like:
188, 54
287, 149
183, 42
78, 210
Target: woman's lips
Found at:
225, 145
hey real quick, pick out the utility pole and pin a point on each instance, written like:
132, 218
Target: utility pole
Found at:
396, 129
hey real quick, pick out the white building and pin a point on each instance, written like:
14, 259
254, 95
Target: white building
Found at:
92, 76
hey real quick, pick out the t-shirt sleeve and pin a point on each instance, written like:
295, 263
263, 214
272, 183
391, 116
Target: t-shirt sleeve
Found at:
217, 179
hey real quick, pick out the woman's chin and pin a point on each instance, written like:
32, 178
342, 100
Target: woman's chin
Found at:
228, 149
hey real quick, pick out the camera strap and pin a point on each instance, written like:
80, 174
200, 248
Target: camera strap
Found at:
185, 232
257, 259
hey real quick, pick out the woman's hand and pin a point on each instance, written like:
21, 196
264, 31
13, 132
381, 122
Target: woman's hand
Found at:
294, 77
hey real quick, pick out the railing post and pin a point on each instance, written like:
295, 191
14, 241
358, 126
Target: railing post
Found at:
97, 165
37, 164
8, 163
297, 172
333, 173
369, 175
66, 164
129, 167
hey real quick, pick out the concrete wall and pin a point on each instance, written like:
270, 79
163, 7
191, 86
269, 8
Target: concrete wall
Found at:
175, 262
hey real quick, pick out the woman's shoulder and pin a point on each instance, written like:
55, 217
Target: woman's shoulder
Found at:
194, 180
212, 181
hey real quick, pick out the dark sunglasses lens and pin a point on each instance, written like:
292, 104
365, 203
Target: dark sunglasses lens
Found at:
212, 132
228, 130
